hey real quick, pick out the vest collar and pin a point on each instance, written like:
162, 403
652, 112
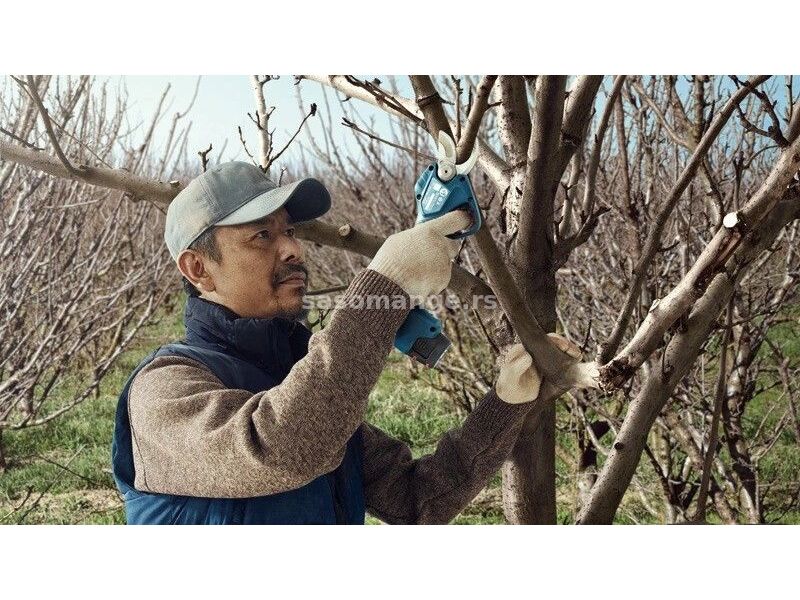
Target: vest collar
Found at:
274, 344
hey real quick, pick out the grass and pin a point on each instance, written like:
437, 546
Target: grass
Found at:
418, 415
60, 472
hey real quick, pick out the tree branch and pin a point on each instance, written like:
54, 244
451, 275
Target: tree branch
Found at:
561, 372
679, 355
463, 283
480, 105
514, 129
514, 122
494, 166
736, 227
262, 120
34, 94
578, 110
719, 397
139, 188
597, 147
536, 207
311, 112
653, 242
351, 125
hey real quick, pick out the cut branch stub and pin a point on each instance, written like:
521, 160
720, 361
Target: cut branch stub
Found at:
730, 220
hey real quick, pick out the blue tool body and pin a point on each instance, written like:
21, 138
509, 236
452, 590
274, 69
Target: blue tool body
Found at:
420, 336
436, 198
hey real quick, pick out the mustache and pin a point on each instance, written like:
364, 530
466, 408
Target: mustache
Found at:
287, 270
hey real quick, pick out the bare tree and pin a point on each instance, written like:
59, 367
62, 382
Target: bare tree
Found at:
540, 137
625, 212
82, 269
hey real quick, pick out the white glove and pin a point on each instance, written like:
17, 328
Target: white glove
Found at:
419, 259
519, 380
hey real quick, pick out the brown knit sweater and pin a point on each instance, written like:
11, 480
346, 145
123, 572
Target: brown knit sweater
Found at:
193, 436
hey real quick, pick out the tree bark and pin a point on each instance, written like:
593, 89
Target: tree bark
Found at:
737, 394
678, 356
529, 476
528, 483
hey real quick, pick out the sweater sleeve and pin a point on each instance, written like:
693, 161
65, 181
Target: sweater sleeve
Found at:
193, 436
435, 488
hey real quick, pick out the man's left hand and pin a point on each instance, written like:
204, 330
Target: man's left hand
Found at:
519, 380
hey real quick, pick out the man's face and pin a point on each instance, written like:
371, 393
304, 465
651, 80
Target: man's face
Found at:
261, 272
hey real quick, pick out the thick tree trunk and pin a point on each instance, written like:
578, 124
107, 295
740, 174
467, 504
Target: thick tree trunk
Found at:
529, 475
529, 472
529, 478
530, 256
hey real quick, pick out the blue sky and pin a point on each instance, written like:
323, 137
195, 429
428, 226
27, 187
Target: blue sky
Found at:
224, 101
222, 104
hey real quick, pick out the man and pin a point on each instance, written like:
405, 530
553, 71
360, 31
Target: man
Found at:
254, 420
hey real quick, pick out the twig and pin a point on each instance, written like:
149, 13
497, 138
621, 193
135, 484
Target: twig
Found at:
350, 124
457, 91
20, 140
34, 94
67, 469
48, 488
204, 156
311, 113
708, 462
244, 145
774, 132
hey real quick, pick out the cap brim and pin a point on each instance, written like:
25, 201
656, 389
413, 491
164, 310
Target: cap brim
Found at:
304, 200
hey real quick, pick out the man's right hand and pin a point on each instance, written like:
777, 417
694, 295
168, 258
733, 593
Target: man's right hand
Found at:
419, 259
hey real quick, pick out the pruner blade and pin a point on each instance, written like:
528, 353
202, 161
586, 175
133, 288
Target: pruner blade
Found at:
467, 165
446, 158
446, 148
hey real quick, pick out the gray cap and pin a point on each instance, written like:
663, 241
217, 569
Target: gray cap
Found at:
233, 193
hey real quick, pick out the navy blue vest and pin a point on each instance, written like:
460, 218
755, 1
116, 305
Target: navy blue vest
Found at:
255, 355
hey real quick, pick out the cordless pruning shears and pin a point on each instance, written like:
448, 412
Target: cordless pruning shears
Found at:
443, 187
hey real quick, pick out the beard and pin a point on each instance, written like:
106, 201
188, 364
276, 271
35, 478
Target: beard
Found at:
294, 309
